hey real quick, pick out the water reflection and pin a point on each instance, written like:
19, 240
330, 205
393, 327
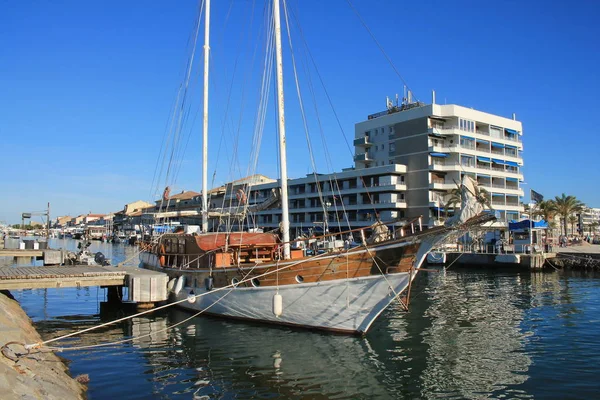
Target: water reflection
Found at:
469, 334
476, 346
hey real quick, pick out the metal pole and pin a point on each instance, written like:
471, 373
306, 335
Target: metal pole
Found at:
531, 229
285, 218
205, 121
48, 222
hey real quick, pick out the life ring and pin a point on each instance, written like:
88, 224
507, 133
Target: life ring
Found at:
161, 258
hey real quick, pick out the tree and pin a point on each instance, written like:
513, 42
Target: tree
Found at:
572, 221
593, 227
545, 209
454, 200
483, 197
565, 206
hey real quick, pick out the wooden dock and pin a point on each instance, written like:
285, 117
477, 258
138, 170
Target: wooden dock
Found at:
145, 286
21, 253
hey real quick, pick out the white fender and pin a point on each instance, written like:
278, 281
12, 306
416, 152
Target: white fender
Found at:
179, 284
171, 285
277, 305
191, 298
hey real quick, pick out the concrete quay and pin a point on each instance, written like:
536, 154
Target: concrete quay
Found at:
145, 287
24, 256
34, 376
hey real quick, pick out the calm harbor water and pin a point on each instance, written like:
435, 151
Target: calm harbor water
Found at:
470, 333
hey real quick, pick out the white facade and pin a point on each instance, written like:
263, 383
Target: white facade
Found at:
341, 201
589, 217
441, 143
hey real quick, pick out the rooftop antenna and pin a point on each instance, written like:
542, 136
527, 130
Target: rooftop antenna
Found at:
396, 99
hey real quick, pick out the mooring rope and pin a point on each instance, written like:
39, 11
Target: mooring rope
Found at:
42, 344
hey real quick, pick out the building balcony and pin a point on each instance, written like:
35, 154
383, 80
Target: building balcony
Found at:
362, 157
444, 166
362, 142
438, 185
438, 148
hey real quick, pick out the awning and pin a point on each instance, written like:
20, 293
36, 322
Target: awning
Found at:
482, 141
498, 194
526, 224
484, 159
508, 146
512, 163
483, 176
499, 145
467, 137
512, 179
438, 154
495, 160
511, 131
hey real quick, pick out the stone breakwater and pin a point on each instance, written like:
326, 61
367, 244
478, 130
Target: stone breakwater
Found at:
39, 375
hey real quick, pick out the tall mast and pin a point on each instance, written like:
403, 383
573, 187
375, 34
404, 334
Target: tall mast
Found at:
285, 217
205, 121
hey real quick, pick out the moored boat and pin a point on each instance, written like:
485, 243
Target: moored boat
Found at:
259, 277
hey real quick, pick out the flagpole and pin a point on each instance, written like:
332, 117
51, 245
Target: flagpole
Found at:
531, 223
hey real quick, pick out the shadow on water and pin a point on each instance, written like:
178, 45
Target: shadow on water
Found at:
470, 333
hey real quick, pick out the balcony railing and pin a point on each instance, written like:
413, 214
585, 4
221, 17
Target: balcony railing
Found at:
362, 141
513, 138
362, 157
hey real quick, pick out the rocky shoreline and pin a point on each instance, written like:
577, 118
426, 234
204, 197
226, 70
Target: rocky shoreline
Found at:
39, 375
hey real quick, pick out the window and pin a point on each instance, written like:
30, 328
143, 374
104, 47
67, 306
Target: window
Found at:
383, 147
392, 146
466, 125
376, 147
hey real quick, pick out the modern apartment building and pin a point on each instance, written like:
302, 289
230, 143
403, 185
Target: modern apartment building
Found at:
438, 144
336, 202
407, 160
340, 201
591, 220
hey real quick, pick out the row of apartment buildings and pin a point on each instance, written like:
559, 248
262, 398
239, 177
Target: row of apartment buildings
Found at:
408, 159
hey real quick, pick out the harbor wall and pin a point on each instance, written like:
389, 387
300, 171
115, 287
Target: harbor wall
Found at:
38, 375
531, 261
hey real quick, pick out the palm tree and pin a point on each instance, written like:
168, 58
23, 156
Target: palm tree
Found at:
593, 227
566, 206
572, 221
454, 200
545, 209
483, 197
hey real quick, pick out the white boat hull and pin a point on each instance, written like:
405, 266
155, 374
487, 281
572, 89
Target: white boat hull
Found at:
348, 306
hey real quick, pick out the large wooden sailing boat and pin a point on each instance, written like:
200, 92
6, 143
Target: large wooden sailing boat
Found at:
258, 277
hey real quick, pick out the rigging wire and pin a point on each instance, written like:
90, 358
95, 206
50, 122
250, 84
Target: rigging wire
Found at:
364, 24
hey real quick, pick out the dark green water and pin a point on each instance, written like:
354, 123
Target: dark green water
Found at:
470, 333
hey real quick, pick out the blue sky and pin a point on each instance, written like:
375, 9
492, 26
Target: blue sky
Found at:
86, 89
